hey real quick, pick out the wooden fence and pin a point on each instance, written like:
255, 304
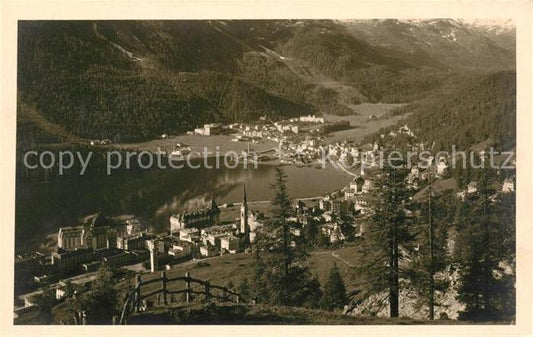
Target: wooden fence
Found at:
208, 292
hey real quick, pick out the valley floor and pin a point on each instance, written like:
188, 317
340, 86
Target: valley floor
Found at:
361, 124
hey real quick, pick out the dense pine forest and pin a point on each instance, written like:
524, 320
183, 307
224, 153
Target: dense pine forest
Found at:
482, 108
134, 80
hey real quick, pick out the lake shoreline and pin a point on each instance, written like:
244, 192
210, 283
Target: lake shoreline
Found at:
42, 207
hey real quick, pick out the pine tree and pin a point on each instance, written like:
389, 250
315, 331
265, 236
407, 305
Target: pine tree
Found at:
460, 177
385, 233
423, 265
282, 210
259, 283
311, 235
485, 246
281, 277
244, 289
334, 290
100, 303
44, 302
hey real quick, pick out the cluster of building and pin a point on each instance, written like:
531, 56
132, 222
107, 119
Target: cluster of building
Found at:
343, 212
194, 233
89, 260
196, 218
82, 248
471, 190
335, 215
209, 129
299, 138
419, 175
280, 131
199, 233
312, 149
277, 131
312, 119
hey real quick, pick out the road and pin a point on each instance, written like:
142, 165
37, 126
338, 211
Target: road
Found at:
78, 279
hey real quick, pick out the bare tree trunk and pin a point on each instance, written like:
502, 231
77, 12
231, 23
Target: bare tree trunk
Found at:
285, 264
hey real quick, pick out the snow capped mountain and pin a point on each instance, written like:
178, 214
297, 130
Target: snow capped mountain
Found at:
456, 43
498, 26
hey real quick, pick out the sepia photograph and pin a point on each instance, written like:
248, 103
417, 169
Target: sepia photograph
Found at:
330, 172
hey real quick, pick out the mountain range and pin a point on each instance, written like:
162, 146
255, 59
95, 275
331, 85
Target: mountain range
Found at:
134, 80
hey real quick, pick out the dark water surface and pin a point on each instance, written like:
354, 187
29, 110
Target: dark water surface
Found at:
43, 207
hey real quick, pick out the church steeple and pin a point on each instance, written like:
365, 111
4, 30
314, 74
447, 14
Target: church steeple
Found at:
214, 206
215, 212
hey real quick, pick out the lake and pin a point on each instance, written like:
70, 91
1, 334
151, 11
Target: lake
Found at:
43, 207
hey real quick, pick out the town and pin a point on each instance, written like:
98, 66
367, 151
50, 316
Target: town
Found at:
335, 171
195, 234
298, 140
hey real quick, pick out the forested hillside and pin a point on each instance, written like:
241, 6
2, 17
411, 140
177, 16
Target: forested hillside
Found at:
138, 107
483, 108
133, 80
79, 81
381, 75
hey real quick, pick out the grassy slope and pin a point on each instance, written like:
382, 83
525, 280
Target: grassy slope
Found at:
222, 270
361, 125
260, 314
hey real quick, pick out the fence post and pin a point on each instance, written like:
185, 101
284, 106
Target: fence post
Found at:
137, 293
225, 294
188, 286
207, 291
238, 298
164, 284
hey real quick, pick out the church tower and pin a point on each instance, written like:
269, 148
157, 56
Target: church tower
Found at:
214, 212
245, 229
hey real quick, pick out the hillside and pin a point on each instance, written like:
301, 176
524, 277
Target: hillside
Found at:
80, 75
380, 74
451, 44
481, 109
233, 268
133, 80
261, 314
230, 270
471, 112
